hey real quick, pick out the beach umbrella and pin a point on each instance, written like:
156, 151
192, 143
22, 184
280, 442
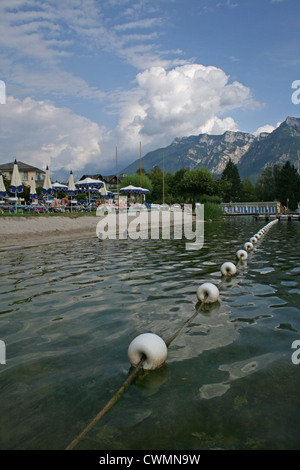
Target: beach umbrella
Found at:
89, 184
16, 182
32, 192
131, 189
47, 186
72, 191
103, 191
144, 191
59, 186
134, 190
3, 191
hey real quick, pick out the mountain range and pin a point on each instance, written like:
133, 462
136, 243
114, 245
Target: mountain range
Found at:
250, 153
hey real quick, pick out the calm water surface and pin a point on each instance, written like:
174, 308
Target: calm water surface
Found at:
68, 313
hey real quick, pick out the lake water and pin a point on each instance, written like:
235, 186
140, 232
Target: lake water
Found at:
68, 312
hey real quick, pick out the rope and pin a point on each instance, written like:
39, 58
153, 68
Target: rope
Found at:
109, 405
125, 385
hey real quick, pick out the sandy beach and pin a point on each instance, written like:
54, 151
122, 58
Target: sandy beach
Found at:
22, 232
18, 232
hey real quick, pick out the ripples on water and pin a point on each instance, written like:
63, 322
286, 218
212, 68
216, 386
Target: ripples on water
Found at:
69, 311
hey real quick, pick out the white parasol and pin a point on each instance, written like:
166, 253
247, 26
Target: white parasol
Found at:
16, 182
32, 192
47, 186
3, 191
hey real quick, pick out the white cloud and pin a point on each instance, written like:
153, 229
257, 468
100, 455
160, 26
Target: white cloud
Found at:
164, 104
41, 134
266, 128
189, 99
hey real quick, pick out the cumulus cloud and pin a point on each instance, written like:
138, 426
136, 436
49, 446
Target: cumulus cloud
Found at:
41, 134
266, 128
189, 99
164, 104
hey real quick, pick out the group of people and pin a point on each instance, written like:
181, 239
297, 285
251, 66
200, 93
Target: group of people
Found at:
64, 202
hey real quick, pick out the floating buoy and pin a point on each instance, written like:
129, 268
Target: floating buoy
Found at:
248, 246
253, 240
208, 293
242, 254
228, 269
152, 347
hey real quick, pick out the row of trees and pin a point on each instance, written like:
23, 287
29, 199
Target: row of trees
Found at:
277, 183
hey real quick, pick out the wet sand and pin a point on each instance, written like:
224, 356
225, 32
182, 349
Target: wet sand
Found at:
18, 232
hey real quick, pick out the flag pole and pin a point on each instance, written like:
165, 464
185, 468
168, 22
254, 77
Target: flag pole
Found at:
163, 178
141, 170
117, 175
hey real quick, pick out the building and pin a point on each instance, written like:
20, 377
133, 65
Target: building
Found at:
27, 172
110, 181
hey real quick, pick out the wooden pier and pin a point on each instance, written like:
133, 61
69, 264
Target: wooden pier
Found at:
288, 217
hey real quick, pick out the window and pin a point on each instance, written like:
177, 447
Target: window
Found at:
25, 176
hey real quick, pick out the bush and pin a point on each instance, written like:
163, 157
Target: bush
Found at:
212, 211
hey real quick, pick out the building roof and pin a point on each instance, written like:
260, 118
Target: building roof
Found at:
22, 167
98, 176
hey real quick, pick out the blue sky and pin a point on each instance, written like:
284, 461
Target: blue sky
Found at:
86, 76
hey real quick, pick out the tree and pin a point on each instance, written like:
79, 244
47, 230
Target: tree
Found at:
156, 178
248, 192
267, 185
231, 174
176, 186
198, 182
289, 186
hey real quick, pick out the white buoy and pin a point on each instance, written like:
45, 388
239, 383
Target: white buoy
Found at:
253, 240
248, 246
152, 347
242, 254
208, 293
228, 269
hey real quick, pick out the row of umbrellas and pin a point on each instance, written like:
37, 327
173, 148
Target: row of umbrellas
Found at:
17, 187
89, 185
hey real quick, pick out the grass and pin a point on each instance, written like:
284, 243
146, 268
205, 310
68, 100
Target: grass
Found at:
48, 214
212, 211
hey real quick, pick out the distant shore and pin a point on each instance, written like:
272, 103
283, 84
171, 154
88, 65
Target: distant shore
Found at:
18, 232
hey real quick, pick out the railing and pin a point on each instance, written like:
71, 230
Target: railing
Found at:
248, 208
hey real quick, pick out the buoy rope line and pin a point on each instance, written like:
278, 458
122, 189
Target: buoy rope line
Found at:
149, 351
139, 366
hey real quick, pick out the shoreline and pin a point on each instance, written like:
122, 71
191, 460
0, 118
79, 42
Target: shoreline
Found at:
26, 232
